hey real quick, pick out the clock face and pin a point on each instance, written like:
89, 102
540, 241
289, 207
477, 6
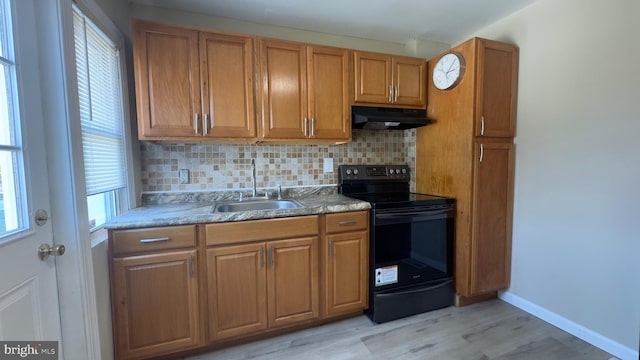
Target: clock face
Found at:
448, 71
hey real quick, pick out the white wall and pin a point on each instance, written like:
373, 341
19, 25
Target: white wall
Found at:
420, 48
576, 237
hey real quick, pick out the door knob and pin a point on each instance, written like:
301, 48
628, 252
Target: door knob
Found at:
45, 250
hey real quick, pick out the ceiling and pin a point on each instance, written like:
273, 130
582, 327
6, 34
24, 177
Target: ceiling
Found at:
399, 21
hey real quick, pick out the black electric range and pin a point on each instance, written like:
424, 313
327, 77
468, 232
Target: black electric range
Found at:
411, 241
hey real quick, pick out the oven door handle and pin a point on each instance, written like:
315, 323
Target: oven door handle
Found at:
417, 216
415, 291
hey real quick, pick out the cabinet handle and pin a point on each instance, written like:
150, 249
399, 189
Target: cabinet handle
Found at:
144, 241
330, 248
482, 125
272, 261
313, 127
304, 127
395, 100
481, 152
190, 265
345, 223
390, 93
205, 127
195, 122
261, 257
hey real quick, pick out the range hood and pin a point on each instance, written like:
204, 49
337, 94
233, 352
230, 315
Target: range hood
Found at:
379, 118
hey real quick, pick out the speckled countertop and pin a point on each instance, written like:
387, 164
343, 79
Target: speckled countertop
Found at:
197, 208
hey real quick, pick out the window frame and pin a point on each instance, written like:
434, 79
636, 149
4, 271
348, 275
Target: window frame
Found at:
126, 198
16, 146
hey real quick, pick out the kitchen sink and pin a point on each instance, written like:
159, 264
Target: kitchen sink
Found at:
251, 205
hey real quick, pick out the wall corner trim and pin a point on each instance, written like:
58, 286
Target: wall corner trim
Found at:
577, 330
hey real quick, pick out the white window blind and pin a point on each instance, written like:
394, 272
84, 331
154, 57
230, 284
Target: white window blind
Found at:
101, 114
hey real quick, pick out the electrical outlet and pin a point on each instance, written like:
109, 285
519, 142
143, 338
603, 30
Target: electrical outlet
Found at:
183, 176
328, 165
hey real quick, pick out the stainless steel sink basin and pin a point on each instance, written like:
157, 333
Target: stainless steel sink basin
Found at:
251, 205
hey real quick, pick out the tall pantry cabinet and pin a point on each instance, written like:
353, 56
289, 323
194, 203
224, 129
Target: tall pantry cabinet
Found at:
468, 154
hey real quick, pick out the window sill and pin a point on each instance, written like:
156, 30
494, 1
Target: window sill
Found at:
98, 236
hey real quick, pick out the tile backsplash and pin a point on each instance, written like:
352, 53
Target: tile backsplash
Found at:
228, 166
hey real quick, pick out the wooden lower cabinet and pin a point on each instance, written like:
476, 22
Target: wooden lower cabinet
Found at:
490, 256
345, 259
237, 287
253, 287
155, 303
346, 272
262, 274
292, 281
258, 276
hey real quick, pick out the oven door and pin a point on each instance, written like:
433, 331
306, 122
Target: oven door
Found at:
411, 245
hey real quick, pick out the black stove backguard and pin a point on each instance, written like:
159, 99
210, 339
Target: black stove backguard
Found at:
411, 241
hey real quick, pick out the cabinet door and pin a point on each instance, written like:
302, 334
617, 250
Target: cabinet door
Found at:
492, 217
237, 290
329, 108
496, 89
155, 302
372, 76
346, 272
409, 79
167, 81
292, 281
284, 90
226, 73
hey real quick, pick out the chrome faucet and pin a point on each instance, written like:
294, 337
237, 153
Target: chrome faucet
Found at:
253, 178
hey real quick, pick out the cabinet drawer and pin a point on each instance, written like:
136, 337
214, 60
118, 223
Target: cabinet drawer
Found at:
153, 239
348, 221
261, 230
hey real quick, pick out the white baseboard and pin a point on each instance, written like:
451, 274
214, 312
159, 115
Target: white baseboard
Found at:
579, 331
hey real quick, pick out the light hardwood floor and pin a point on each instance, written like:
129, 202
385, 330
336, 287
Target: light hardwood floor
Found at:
483, 331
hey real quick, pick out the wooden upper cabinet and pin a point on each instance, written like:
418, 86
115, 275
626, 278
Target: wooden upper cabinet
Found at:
192, 85
226, 76
409, 77
496, 93
491, 223
305, 92
372, 75
284, 90
167, 80
328, 79
387, 80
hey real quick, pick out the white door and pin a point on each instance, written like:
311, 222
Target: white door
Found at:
28, 286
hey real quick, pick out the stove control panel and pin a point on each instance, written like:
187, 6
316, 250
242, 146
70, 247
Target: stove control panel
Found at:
373, 172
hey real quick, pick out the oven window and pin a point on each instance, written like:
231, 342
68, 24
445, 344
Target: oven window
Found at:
421, 250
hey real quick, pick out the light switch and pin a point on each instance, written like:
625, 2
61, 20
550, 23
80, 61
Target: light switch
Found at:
328, 165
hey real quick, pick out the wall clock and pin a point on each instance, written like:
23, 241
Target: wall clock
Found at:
448, 71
